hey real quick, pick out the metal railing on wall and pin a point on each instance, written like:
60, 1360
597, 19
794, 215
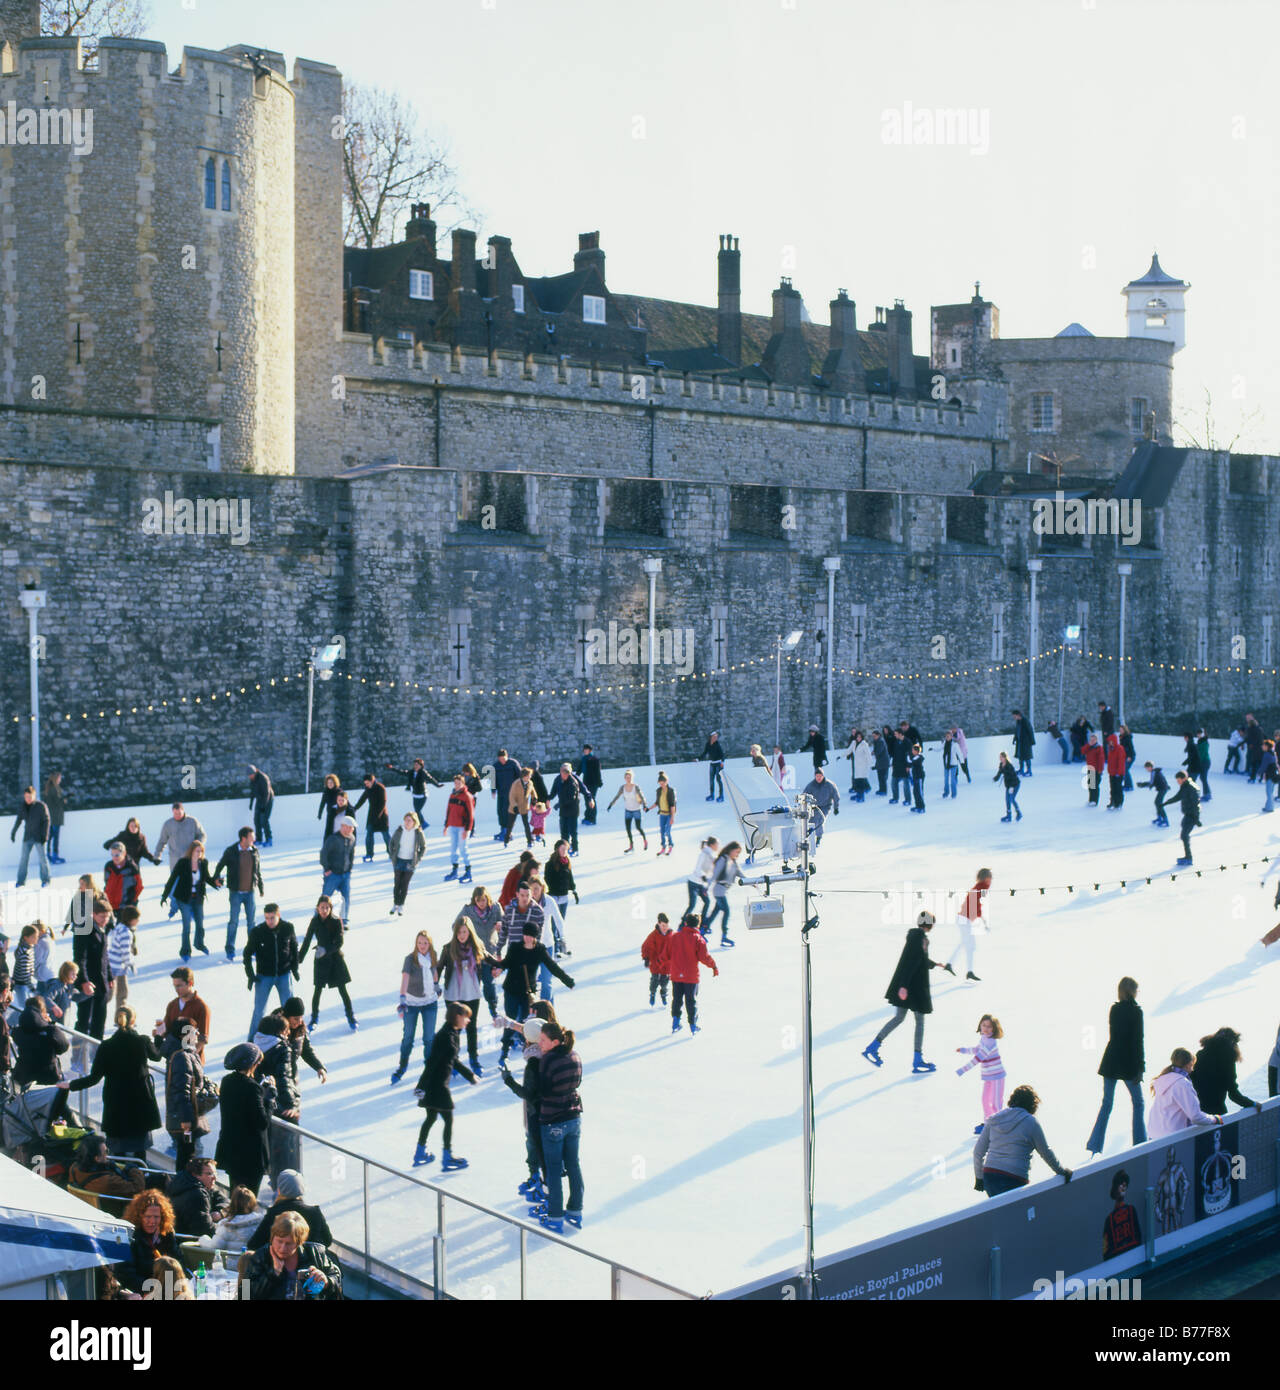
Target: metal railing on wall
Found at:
410, 1235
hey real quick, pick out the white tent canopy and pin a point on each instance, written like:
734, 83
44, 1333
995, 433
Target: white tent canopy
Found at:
44, 1230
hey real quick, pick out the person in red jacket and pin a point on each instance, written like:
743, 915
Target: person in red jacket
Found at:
651, 952
525, 866
1116, 767
459, 826
121, 879
1096, 758
679, 960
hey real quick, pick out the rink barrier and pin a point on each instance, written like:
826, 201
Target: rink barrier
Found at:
357, 1249
1045, 1241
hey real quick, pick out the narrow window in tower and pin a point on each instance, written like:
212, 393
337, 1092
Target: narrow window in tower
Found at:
592, 308
997, 632
460, 644
1266, 639
1202, 641
585, 617
517, 298
226, 185
719, 637
1138, 408
1235, 561
857, 632
210, 183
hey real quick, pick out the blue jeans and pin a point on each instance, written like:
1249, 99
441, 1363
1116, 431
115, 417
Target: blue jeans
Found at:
993, 1183
262, 988
1271, 791
950, 780
262, 822
412, 1013
1066, 752
192, 911
697, 893
1011, 801
1128, 773
560, 1148
239, 900
489, 989
1098, 1137
339, 883
369, 833
636, 819
721, 908
715, 781
38, 846
21, 993
664, 829
544, 983
55, 834
458, 845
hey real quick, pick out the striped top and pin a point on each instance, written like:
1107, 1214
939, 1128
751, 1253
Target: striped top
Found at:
986, 1055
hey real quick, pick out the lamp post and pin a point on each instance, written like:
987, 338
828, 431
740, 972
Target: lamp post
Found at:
320, 663
1033, 568
653, 568
33, 600
1070, 638
1124, 570
790, 640
832, 566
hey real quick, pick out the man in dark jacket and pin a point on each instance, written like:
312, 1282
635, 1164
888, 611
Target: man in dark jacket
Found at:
270, 961
375, 821
909, 992
89, 951
900, 760
197, 1204
827, 797
261, 797
569, 794
290, 1191
817, 744
242, 868
522, 961
880, 761
1253, 746
506, 772
1024, 743
592, 778
33, 817
713, 753
337, 855
1159, 783
417, 780
1189, 799
1106, 720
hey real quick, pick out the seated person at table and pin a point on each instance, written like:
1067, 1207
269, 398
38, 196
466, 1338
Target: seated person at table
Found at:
239, 1223
169, 1282
197, 1203
91, 1170
291, 1266
151, 1217
290, 1192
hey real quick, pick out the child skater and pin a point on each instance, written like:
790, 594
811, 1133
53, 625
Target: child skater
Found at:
652, 952
538, 822
987, 1054
433, 1089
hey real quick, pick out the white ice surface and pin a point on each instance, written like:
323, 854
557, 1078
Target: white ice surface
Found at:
691, 1145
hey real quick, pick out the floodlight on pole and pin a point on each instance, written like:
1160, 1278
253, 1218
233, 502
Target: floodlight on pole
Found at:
320, 663
792, 639
1070, 638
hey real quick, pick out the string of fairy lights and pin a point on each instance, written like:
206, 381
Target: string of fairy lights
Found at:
220, 694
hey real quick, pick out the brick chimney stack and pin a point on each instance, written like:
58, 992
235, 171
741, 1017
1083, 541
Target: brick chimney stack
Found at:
729, 313
902, 362
842, 366
589, 253
786, 356
464, 262
421, 225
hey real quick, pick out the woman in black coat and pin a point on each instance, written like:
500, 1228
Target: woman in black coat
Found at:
909, 992
134, 842
1214, 1074
244, 1149
129, 1111
329, 804
40, 1043
188, 883
1123, 1060
326, 929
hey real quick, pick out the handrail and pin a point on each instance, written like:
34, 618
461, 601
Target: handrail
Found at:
525, 1228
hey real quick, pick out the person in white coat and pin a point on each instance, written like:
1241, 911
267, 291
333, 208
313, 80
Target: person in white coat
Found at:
701, 875
1175, 1105
861, 768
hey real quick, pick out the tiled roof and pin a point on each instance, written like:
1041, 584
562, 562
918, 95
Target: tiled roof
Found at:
1156, 275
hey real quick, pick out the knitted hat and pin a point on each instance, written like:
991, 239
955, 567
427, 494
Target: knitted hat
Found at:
532, 1030
348, 820
290, 1184
294, 1008
242, 1056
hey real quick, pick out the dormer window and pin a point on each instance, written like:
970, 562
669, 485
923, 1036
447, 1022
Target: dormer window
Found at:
517, 298
592, 308
421, 284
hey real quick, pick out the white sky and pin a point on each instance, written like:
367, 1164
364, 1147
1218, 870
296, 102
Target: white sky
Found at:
1115, 127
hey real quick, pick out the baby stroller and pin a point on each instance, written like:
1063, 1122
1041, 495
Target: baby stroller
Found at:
25, 1131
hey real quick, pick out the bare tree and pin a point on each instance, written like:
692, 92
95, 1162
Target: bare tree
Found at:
389, 162
120, 19
1203, 433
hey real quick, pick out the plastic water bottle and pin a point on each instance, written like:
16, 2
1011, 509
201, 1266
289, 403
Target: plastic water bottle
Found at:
200, 1280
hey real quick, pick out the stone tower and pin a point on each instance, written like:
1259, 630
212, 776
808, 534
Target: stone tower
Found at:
19, 19
1155, 306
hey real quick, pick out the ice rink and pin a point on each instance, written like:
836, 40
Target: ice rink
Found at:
691, 1145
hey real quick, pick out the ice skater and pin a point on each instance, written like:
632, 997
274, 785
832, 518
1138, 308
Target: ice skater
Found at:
724, 873
1095, 756
967, 920
915, 768
652, 951
1159, 783
908, 992
713, 753
1123, 1060
986, 1054
432, 1092
1011, 784
826, 799
1189, 799
681, 954
701, 875
1115, 773
634, 806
